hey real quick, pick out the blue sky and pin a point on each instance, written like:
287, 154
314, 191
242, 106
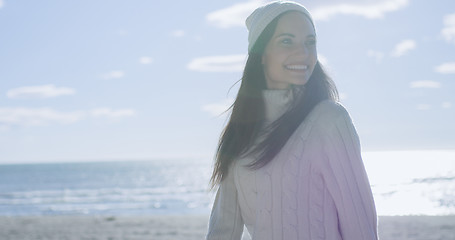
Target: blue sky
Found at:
103, 80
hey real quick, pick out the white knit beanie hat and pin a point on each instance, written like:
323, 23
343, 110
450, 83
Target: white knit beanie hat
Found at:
262, 16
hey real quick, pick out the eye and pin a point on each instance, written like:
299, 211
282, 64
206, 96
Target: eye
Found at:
286, 41
310, 42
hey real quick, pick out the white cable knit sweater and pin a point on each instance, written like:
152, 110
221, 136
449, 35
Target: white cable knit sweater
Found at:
315, 188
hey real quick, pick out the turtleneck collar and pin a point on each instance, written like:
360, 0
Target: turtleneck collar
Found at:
276, 103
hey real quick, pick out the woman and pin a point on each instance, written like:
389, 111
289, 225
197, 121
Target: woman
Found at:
288, 163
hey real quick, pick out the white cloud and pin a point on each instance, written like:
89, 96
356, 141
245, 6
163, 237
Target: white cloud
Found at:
178, 33
44, 91
228, 63
22, 116
343, 96
446, 68
1, 3
216, 109
448, 32
37, 116
107, 112
234, 15
423, 107
197, 38
425, 84
403, 47
146, 60
376, 55
371, 11
446, 105
122, 32
113, 74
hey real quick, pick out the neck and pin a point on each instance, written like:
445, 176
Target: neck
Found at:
276, 103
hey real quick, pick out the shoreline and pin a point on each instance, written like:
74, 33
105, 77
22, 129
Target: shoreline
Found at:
188, 227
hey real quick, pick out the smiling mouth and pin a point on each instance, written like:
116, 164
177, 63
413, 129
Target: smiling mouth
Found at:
296, 67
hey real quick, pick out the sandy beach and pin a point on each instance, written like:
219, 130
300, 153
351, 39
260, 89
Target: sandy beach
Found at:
187, 227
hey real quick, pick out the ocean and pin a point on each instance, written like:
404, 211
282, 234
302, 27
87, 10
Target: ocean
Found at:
403, 183
105, 188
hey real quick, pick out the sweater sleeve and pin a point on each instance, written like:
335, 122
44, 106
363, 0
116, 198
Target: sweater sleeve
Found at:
347, 181
226, 222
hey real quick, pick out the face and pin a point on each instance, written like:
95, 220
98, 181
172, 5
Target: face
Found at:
290, 55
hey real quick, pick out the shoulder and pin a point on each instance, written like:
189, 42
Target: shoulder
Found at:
327, 113
327, 119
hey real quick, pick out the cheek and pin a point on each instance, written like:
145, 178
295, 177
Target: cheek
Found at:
314, 56
314, 59
270, 62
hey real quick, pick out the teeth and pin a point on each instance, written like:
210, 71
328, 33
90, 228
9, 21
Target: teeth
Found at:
297, 67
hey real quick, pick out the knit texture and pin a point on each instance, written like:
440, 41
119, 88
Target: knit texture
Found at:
315, 188
262, 16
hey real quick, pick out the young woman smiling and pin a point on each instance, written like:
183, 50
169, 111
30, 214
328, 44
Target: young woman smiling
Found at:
288, 163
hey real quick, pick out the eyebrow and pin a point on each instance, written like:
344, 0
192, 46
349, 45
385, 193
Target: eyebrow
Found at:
292, 35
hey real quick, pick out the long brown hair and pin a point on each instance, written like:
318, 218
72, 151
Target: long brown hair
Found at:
247, 114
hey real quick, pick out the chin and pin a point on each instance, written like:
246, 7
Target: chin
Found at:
300, 83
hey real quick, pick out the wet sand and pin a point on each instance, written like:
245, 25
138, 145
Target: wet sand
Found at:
187, 228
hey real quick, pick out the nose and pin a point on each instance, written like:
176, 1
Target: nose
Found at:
302, 49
